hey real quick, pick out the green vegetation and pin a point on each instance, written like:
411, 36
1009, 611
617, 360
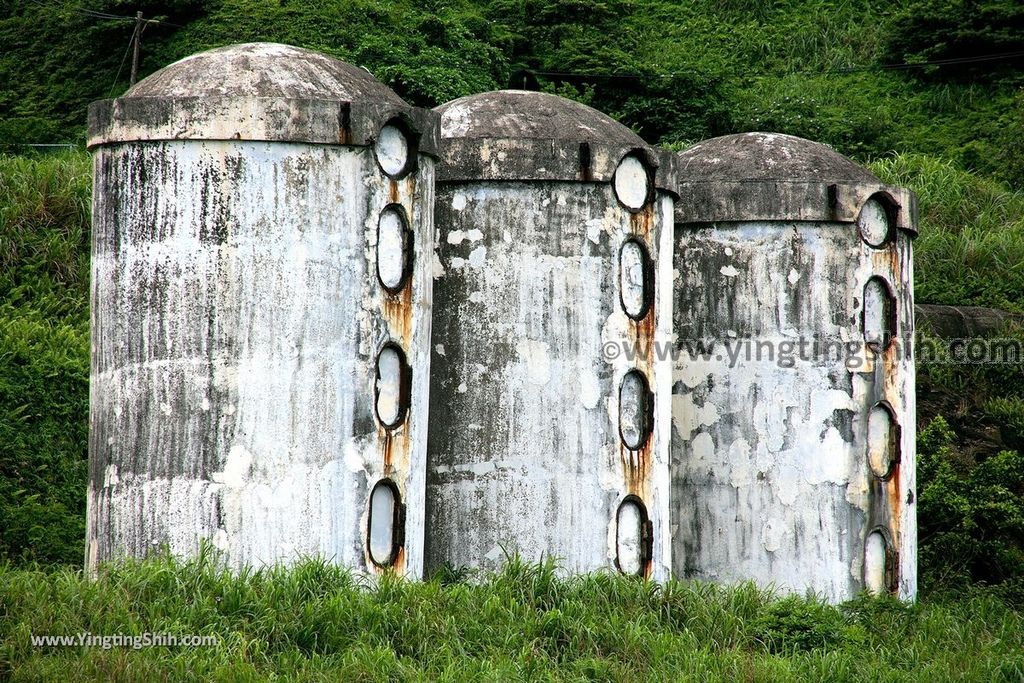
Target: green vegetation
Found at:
971, 521
44, 356
971, 245
316, 622
696, 69
675, 72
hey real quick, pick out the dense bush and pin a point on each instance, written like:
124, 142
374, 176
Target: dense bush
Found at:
930, 30
970, 514
428, 52
793, 625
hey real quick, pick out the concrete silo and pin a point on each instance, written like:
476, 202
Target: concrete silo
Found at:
260, 331
793, 397
549, 407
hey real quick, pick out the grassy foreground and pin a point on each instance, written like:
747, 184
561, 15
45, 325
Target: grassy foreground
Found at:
318, 622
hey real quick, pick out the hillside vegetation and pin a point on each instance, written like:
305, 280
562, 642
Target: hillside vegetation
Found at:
677, 72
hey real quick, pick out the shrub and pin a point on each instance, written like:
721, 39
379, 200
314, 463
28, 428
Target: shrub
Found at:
795, 624
970, 514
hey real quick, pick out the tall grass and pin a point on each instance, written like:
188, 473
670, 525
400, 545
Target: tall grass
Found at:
44, 232
971, 246
318, 622
44, 355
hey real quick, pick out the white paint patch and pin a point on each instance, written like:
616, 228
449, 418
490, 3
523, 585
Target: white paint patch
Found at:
534, 355
771, 535
729, 271
793, 277
477, 257
459, 201
739, 458
463, 388
703, 447
590, 389
110, 477
221, 541
459, 236
688, 417
237, 468
439, 349
494, 554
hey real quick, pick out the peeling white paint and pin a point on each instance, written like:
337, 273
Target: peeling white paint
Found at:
477, 257
458, 236
773, 461
590, 388
240, 407
236, 468
437, 268
534, 355
530, 361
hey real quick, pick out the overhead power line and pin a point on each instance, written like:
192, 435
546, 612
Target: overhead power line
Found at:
105, 15
526, 78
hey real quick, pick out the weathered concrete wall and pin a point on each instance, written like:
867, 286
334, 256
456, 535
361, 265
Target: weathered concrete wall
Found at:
771, 479
525, 453
963, 322
236, 325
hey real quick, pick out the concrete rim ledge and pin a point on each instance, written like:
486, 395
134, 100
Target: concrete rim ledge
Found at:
721, 201
533, 159
269, 119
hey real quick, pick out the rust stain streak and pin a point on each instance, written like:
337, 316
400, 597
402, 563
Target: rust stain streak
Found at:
398, 313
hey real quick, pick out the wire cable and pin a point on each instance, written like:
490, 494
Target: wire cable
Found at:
113, 85
105, 15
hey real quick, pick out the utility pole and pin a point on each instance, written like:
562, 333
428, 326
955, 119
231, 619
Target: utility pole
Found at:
135, 49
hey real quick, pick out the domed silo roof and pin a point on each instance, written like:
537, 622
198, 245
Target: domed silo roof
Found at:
264, 70
256, 91
526, 135
772, 176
